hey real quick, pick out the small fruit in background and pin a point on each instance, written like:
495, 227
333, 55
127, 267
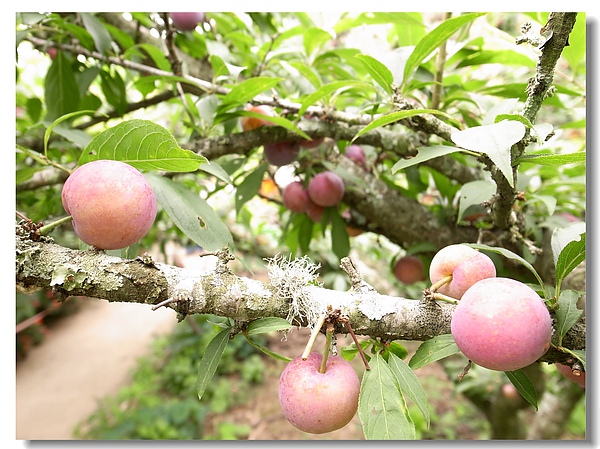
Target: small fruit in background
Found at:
356, 154
566, 371
295, 197
111, 203
501, 324
281, 153
409, 269
317, 402
250, 123
466, 266
186, 21
52, 51
326, 189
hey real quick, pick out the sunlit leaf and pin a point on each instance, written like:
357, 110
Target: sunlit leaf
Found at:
474, 192
327, 90
268, 324
552, 159
568, 248
247, 90
381, 406
380, 73
424, 154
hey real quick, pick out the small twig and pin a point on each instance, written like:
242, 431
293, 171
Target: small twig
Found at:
360, 351
163, 303
442, 297
357, 282
464, 371
313, 336
435, 287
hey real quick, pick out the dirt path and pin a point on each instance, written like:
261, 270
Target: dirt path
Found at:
84, 357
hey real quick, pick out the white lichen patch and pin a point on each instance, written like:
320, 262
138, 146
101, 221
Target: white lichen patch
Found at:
292, 278
375, 306
183, 285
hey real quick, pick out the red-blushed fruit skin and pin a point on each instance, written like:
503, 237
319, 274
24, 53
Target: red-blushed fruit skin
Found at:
409, 269
465, 264
356, 154
186, 21
566, 371
319, 403
250, 123
111, 203
314, 211
501, 324
281, 153
326, 189
295, 197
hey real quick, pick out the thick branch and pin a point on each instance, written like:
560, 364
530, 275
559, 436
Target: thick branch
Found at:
43, 264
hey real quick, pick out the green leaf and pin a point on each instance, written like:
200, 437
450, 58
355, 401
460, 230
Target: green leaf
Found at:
247, 90
579, 354
510, 255
505, 57
424, 154
524, 385
326, 90
569, 244
393, 117
551, 159
379, 71
474, 192
218, 66
313, 38
409, 384
516, 117
433, 40
249, 187
190, 213
144, 145
48, 131
495, 141
381, 406
113, 88
306, 72
216, 170
61, 94
340, 242
268, 324
157, 55
432, 350
567, 313
210, 360
101, 36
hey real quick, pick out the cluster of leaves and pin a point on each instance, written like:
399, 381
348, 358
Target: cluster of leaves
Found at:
161, 402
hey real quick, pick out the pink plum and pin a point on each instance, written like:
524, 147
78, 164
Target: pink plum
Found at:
326, 189
317, 402
295, 197
501, 324
281, 153
566, 371
466, 266
111, 203
186, 21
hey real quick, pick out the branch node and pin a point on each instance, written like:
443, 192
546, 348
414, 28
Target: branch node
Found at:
357, 282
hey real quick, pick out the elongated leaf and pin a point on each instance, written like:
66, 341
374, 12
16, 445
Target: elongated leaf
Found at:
551, 159
307, 72
474, 192
101, 36
340, 242
495, 141
218, 66
48, 131
190, 213
510, 255
379, 71
432, 350
571, 255
409, 384
217, 171
157, 55
143, 144
567, 313
61, 93
268, 324
393, 117
561, 237
381, 406
247, 90
579, 354
515, 117
249, 187
524, 385
328, 89
279, 121
424, 154
433, 40
210, 360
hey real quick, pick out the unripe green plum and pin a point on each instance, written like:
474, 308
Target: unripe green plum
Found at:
111, 203
186, 21
326, 189
317, 402
295, 197
409, 269
501, 324
566, 371
281, 153
465, 264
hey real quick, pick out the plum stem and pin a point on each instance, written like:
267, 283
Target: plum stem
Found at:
313, 336
434, 287
328, 338
360, 351
49, 227
445, 298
